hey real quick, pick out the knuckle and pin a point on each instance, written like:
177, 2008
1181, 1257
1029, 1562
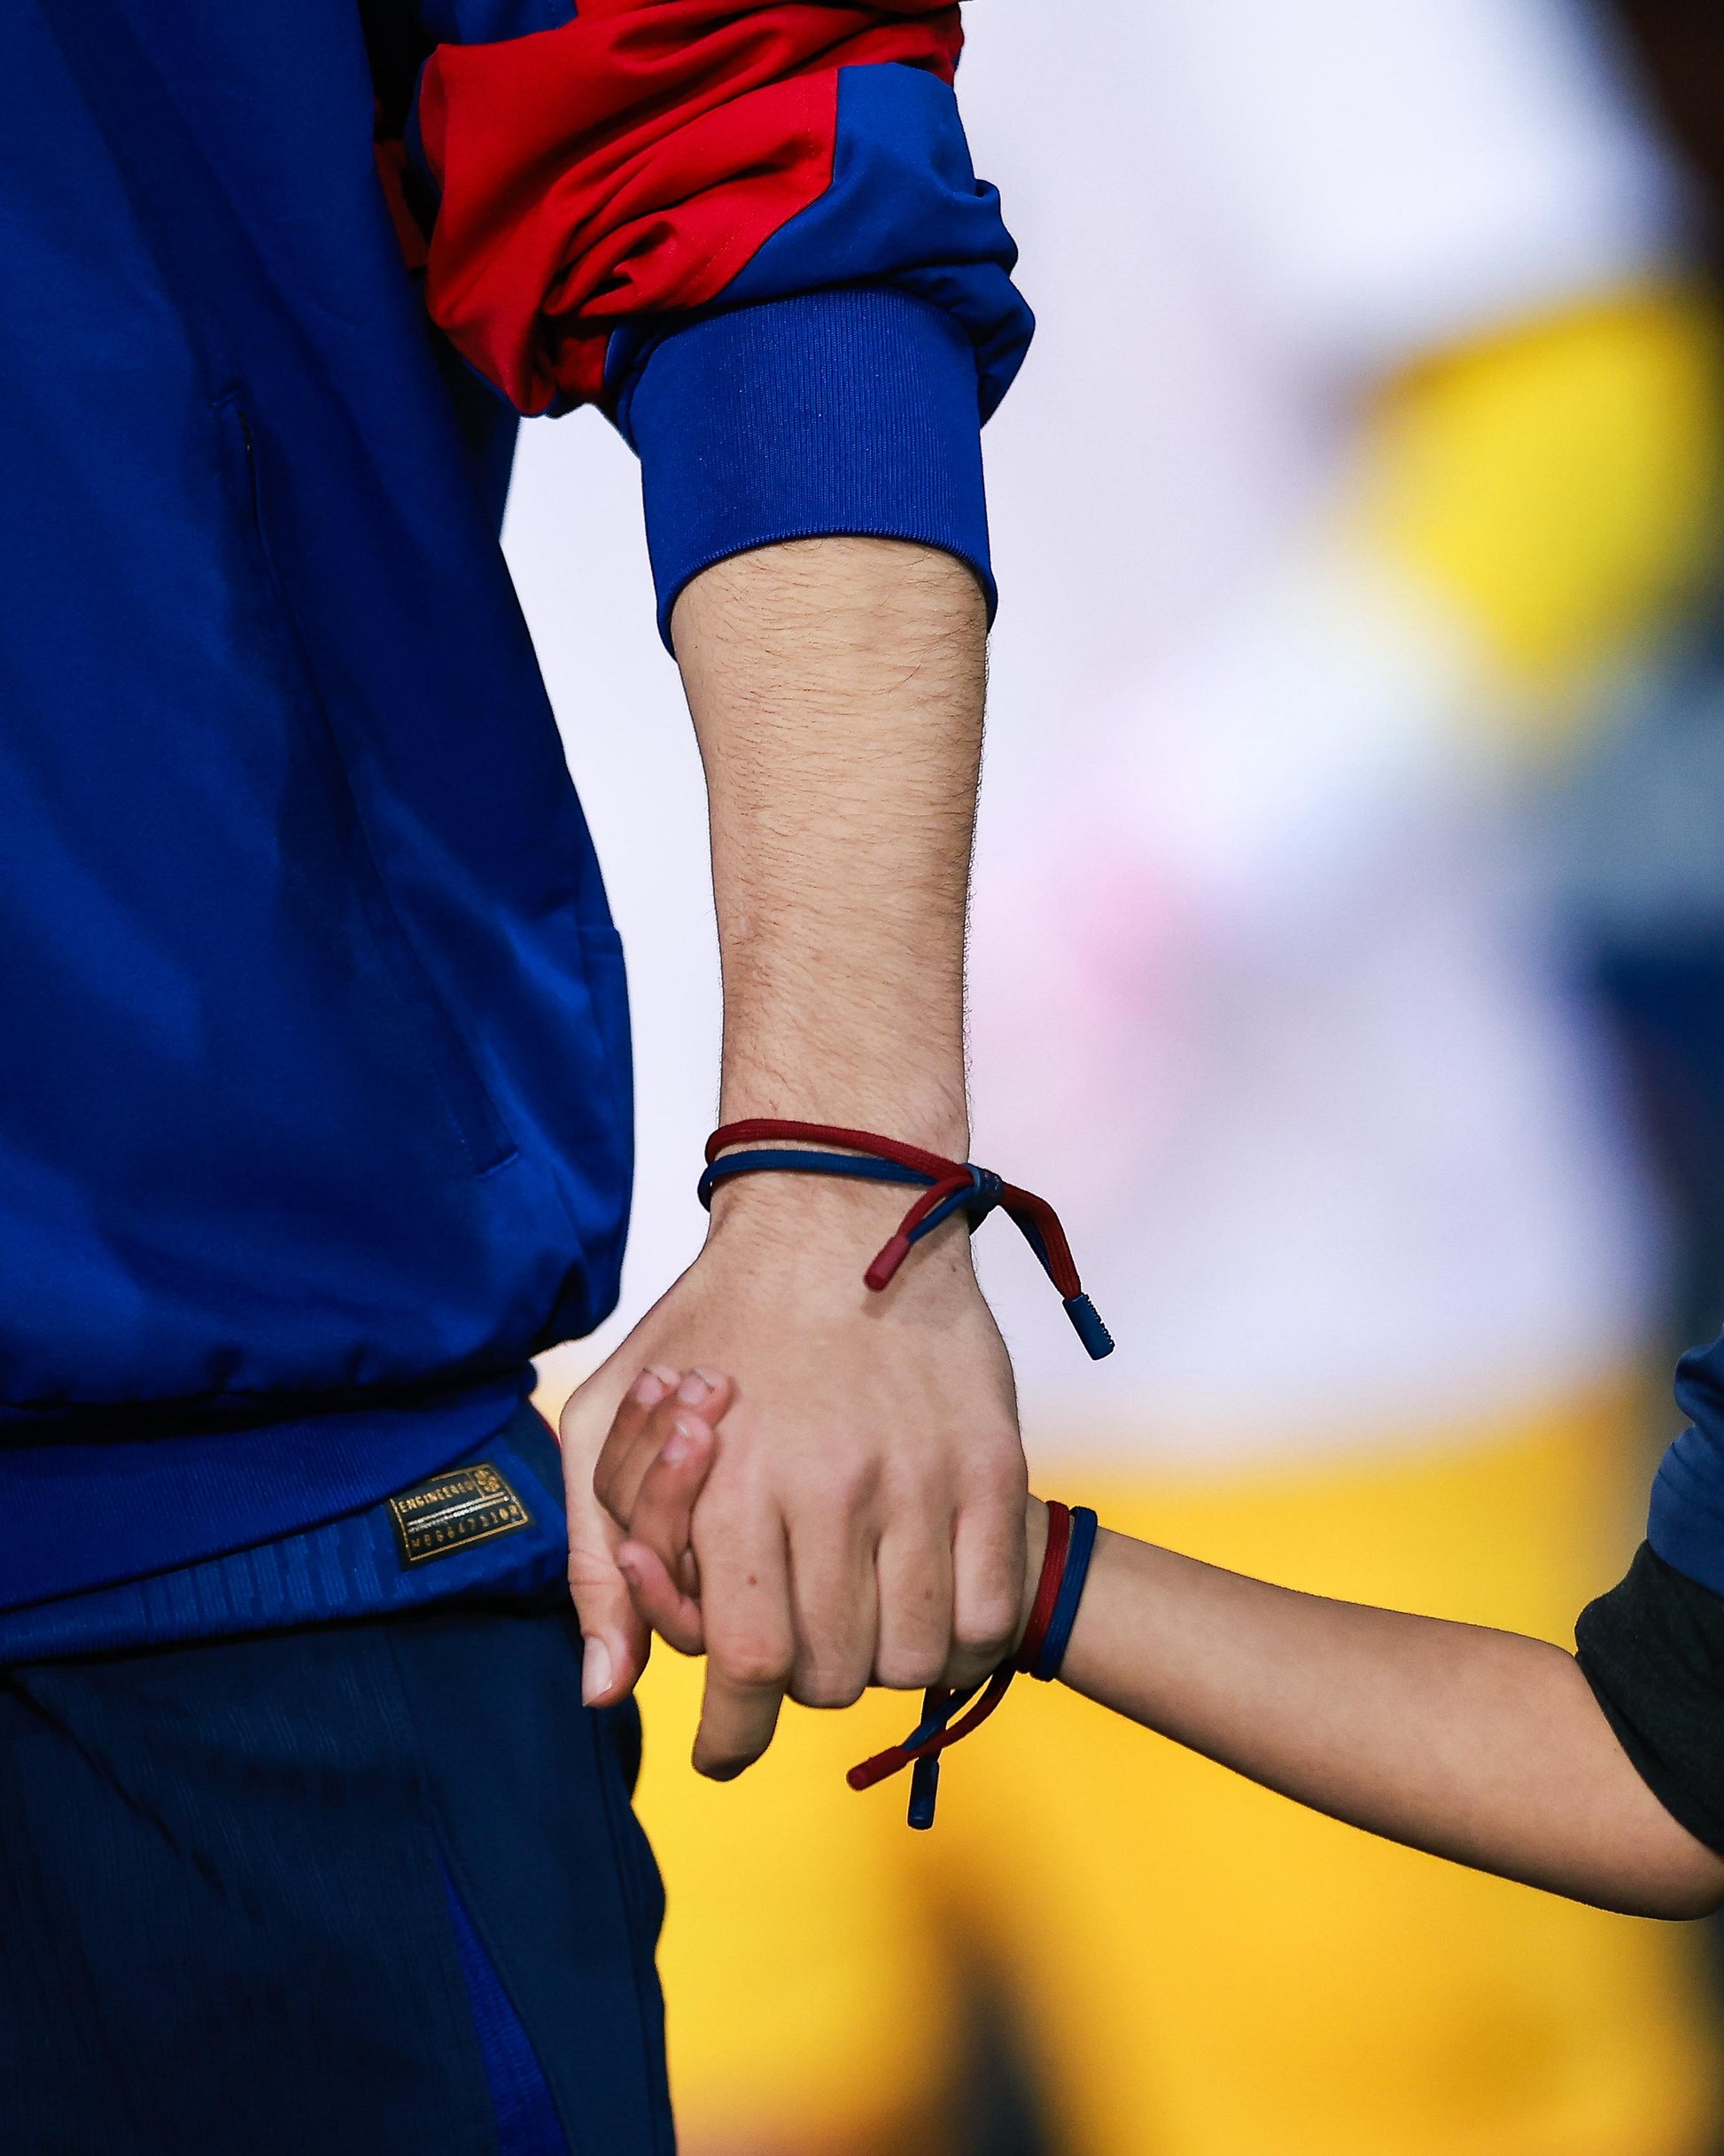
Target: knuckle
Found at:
592, 1577
597, 1613
849, 1487
986, 1622
1000, 1476
752, 1665
924, 1499
964, 1670
832, 1688
911, 1668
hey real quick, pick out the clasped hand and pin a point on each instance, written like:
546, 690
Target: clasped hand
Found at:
862, 1516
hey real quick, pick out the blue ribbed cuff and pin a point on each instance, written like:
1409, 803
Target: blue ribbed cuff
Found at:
850, 412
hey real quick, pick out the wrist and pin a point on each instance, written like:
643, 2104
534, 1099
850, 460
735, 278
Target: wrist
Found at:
929, 1115
822, 1209
812, 1230
948, 1192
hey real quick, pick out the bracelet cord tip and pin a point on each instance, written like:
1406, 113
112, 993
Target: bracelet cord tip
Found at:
878, 1275
865, 1775
1087, 1323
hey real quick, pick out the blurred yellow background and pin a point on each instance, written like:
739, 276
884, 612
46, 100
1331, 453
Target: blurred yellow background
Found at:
1362, 480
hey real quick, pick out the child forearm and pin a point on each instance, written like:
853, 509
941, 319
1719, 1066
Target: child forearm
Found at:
1484, 1747
1480, 1746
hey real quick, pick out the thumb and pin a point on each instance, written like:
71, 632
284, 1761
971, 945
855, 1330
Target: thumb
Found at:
617, 1640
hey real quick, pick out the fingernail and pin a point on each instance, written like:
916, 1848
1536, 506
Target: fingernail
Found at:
694, 1389
650, 1387
678, 1444
710, 1377
594, 1670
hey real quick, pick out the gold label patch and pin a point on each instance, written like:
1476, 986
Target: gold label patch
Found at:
455, 1510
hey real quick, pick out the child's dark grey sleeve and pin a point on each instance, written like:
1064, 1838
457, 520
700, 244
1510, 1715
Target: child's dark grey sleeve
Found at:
1652, 1649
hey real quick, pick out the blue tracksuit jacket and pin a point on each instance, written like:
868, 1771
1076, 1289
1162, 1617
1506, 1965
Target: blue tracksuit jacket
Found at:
314, 1115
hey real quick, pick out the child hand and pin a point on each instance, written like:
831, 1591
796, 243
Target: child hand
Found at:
668, 1431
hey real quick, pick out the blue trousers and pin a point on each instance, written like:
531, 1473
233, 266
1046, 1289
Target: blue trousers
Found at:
370, 1889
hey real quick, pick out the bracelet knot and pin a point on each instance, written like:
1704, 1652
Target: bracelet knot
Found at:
947, 1188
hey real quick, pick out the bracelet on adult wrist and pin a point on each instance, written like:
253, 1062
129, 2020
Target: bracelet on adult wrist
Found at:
948, 1715
948, 1187
770, 1145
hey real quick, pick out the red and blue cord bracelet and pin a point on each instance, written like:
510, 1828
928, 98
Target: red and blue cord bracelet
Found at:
948, 1187
948, 1715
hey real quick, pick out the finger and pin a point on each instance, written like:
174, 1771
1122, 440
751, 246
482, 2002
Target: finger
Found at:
631, 1444
914, 1570
834, 1605
988, 1568
617, 1640
628, 1422
594, 1409
659, 1601
749, 1641
659, 1559
663, 1513
656, 1383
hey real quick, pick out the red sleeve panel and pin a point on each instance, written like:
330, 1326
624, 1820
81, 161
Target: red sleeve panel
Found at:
631, 163
751, 230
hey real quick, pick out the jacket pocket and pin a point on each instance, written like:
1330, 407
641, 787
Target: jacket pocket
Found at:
436, 1038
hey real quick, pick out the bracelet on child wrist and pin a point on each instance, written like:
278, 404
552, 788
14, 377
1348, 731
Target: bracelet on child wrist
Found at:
1071, 1533
948, 1715
948, 1187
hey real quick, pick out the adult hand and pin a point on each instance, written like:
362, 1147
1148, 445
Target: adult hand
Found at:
657, 1555
865, 1514
864, 1519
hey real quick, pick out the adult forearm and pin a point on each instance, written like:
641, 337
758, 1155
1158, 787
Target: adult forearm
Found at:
836, 689
864, 1516
1477, 1745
